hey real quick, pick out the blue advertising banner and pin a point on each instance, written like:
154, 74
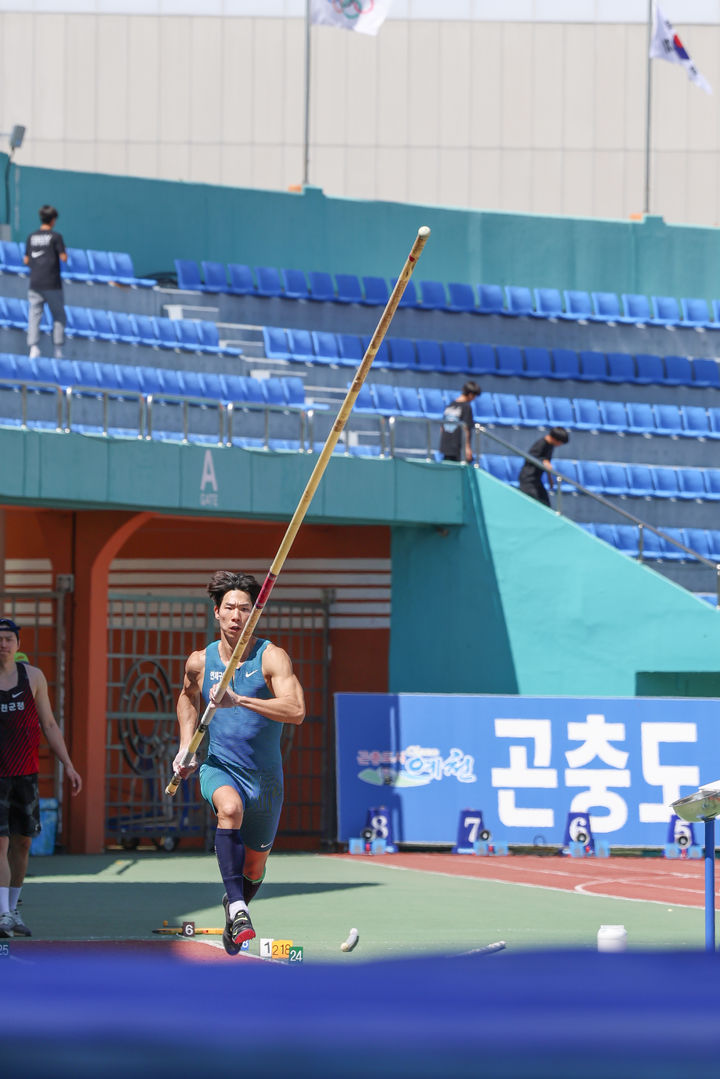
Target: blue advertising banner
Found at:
524, 762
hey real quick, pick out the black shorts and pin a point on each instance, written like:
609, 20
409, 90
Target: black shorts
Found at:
19, 805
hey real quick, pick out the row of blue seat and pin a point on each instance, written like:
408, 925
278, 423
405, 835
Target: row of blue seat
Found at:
511, 300
704, 541
625, 480
189, 335
456, 357
90, 266
85, 376
527, 410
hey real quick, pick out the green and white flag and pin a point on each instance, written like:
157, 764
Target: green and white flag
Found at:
365, 16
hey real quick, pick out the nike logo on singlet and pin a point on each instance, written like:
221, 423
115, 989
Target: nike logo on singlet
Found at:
248, 673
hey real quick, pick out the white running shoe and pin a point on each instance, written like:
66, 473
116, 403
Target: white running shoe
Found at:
19, 927
7, 924
34, 352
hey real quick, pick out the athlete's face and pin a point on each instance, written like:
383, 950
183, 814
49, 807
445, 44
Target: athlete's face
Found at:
8, 644
233, 612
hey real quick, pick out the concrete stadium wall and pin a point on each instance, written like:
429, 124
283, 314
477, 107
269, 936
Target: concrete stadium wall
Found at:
158, 221
518, 600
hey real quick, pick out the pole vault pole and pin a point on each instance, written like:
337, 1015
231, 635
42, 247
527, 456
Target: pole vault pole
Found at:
306, 498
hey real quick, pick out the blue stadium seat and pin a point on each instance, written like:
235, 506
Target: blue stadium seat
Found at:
615, 478
665, 311
509, 360
188, 275
537, 363
533, 410
498, 465
641, 419
274, 390
188, 334
620, 367
364, 401
649, 369
569, 470
5, 319
77, 321
102, 324
670, 553
376, 291
455, 357
325, 346
77, 267
409, 401
607, 308
125, 271
695, 312
712, 484
276, 343
714, 418
519, 300
613, 415
384, 399
146, 330
668, 419
698, 540
432, 296
432, 401
506, 408
348, 288
214, 276
604, 532
691, 484
706, 373
593, 366
587, 414
460, 297
483, 407
566, 363
548, 303
241, 279
590, 476
491, 300
409, 297
578, 304
483, 360
678, 371
211, 340
13, 254
665, 481
429, 355
560, 411
17, 312
626, 539
640, 481
695, 421
322, 286
653, 546
295, 286
382, 356
300, 345
8, 366
402, 353
350, 348
101, 266
167, 337
268, 281
636, 308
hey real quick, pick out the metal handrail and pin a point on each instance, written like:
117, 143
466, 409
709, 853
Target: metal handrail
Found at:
480, 429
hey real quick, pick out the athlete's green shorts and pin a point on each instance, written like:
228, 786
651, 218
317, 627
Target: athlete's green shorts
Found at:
262, 798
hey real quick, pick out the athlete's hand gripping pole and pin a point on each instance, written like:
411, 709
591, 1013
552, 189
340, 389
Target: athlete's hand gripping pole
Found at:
305, 499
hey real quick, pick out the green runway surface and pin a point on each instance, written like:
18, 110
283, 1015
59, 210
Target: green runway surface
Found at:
315, 900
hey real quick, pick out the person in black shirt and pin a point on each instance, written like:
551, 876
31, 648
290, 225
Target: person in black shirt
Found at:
530, 479
457, 425
44, 251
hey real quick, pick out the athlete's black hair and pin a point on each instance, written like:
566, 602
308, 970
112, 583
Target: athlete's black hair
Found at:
47, 214
225, 581
560, 435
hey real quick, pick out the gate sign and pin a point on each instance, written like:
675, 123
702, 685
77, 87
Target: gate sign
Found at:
528, 761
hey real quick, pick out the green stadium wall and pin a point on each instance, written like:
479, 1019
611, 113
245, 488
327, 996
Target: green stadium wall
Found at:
158, 221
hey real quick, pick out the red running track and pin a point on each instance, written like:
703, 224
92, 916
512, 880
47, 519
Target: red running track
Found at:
672, 882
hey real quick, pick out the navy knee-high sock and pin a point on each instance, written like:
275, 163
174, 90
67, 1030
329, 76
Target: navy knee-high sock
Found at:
251, 887
230, 851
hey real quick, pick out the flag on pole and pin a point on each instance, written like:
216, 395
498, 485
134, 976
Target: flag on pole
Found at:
365, 16
666, 45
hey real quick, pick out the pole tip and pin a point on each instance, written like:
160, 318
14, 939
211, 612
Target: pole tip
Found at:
424, 231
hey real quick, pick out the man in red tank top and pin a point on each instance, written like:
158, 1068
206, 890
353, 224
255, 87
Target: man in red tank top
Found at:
24, 712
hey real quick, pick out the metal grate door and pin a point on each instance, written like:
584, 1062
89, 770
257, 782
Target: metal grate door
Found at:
149, 640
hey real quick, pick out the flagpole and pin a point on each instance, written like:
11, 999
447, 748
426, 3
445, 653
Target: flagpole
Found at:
648, 113
306, 147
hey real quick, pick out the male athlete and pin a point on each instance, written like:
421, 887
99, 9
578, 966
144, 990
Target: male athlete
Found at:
241, 777
24, 711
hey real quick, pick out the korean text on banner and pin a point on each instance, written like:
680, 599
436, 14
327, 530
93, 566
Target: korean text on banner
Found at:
364, 16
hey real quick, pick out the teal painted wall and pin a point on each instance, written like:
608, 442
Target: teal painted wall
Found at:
158, 220
519, 600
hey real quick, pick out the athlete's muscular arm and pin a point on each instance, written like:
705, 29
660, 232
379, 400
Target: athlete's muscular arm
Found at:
49, 727
288, 702
188, 709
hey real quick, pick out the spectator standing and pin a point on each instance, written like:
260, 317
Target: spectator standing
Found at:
530, 480
457, 425
44, 251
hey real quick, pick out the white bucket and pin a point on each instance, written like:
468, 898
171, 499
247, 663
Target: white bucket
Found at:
612, 938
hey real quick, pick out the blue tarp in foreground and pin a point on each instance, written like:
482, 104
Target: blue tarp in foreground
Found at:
524, 762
